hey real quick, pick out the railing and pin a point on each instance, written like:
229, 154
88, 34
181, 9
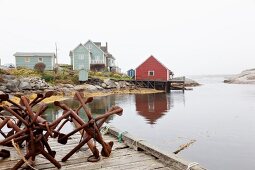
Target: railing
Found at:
97, 62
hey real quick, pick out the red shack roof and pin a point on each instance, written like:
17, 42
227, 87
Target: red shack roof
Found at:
157, 61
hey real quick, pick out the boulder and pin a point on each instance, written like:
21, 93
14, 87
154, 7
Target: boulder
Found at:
110, 83
24, 85
90, 88
103, 85
123, 84
80, 87
245, 77
68, 85
8, 77
2, 88
13, 85
99, 87
117, 85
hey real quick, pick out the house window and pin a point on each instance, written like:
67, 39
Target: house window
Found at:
89, 47
27, 59
40, 59
81, 57
150, 73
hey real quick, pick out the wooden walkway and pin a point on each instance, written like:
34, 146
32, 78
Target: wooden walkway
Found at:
122, 157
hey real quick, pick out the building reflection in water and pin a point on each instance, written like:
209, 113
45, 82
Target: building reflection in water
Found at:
152, 106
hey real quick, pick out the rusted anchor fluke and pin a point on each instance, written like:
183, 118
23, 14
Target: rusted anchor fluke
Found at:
4, 97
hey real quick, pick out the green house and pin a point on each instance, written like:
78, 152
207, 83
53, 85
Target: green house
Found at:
80, 60
99, 57
29, 60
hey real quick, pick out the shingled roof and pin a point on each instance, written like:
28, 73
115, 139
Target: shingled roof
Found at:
33, 54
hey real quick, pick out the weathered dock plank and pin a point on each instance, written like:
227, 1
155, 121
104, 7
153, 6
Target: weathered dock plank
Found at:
169, 159
122, 157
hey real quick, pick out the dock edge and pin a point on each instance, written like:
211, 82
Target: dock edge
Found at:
169, 159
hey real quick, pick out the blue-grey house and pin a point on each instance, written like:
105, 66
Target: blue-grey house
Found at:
99, 57
80, 60
29, 60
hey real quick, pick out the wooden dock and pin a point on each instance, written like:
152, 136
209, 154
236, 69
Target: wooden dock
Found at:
167, 86
131, 154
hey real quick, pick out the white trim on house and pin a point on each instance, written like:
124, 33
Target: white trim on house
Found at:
151, 71
33, 54
73, 59
94, 45
52, 63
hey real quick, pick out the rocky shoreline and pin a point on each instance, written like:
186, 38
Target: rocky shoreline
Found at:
245, 77
30, 85
93, 87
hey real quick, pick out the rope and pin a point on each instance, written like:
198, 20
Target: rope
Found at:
192, 164
16, 146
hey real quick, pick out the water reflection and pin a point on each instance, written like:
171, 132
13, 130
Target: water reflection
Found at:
98, 106
152, 106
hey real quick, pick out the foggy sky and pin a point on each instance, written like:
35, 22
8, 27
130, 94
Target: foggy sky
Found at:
188, 36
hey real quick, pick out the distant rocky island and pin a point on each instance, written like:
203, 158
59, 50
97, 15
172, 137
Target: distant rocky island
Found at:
245, 77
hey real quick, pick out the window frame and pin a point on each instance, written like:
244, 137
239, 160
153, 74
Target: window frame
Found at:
27, 59
39, 59
151, 71
81, 57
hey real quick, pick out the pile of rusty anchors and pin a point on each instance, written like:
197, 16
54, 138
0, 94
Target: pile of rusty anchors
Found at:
20, 110
32, 129
91, 128
32, 132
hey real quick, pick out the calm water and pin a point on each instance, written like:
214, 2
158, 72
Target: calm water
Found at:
220, 117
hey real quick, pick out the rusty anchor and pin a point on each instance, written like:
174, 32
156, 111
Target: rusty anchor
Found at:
91, 128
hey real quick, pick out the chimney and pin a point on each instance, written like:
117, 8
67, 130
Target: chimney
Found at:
106, 45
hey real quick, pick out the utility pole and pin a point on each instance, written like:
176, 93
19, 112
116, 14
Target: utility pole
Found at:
56, 54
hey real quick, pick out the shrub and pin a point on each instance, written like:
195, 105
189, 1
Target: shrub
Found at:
48, 77
98, 74
24, 72
40, 67
3, 71
117, 76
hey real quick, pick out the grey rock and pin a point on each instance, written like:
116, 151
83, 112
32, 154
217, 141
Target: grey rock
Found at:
32, 85
110, 83
245, 77
68, 85
99, 87
103, 85
13, 85
91, 88
24, 85
51, 88
122, 84
80, 87
8, 77
2, 88
37, 87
